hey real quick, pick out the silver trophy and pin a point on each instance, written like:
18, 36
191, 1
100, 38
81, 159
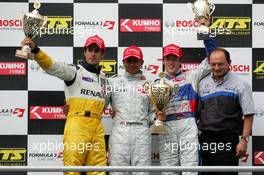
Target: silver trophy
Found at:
202, 11
32, 24
159, 93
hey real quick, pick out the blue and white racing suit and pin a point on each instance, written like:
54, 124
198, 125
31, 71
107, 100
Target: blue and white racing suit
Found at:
180, 146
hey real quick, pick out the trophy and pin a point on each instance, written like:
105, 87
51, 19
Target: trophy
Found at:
32, 23
202, 11
159, 93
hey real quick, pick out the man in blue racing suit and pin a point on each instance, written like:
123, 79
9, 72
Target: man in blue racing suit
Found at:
180, 145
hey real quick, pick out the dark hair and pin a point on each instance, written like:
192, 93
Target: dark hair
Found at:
227, 54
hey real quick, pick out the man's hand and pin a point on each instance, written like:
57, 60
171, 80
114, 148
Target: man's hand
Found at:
28, 41
161, 116
203, 21
241, 148
112, 113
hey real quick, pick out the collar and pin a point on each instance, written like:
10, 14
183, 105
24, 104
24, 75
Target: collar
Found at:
90, 68
224, 78
170, 76
179, 72
138, 75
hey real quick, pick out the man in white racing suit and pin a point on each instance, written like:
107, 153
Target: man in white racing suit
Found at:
83, 128
181, 146
130, 140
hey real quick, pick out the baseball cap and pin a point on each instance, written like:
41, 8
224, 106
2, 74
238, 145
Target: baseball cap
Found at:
172, 49
95, 40
132, 51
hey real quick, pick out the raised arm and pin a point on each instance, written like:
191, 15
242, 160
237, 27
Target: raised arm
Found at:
204, 68
59, 69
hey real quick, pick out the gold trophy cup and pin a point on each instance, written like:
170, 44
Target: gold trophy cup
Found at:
202, 11
32, 24
159, 93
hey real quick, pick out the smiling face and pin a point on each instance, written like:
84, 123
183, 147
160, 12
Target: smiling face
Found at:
219, 64
172, 64
132, 65
93, 54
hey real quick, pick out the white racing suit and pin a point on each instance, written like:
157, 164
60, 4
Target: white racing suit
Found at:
181, 145
130, 140
84, 142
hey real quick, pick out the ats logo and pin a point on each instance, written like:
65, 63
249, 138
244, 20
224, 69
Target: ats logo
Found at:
259, 71
108, 66
12, 112
140, 25
233, 25
57, 25
259, 158
47, 112
12, 156
13, 68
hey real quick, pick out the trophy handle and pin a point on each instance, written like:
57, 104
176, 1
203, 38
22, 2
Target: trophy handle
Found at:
212, 7
146, 87
45, 20
194, 10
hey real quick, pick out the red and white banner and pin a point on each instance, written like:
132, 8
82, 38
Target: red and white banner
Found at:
259, 158
13, 68
47, 112
140, 25
153, 69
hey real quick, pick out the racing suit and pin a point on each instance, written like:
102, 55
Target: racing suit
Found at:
180, 146
83, 133
130, 140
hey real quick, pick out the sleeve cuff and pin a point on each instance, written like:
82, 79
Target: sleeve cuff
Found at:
35, 50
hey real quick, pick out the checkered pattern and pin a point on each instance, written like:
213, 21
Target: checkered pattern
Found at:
26, 90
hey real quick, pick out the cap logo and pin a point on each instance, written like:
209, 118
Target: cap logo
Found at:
133, 51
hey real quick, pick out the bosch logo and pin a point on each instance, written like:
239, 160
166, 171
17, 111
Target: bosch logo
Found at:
11, 23
240, 68
186, 23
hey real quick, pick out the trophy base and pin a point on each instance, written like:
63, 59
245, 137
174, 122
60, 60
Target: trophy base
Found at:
203, 33
161, 129
24, 54
201, 36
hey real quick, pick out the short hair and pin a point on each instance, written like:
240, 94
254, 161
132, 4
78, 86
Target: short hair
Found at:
227, 54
